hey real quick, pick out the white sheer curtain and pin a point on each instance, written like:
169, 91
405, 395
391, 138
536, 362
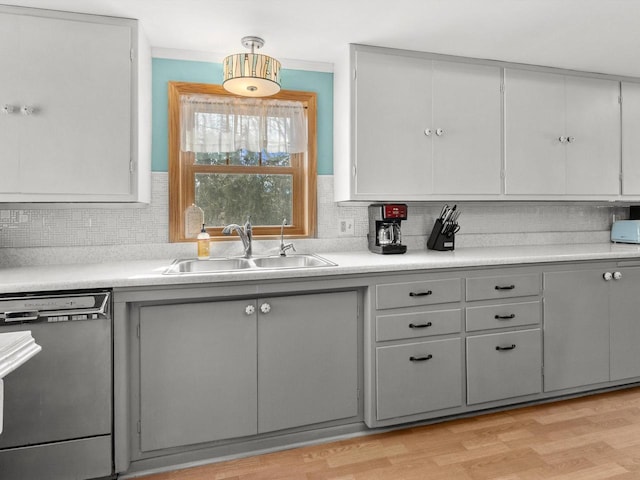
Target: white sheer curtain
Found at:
219, 124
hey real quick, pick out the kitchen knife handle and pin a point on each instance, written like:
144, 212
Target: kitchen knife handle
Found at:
420, 294
506, 287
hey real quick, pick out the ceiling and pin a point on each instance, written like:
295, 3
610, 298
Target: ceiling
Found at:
591, 35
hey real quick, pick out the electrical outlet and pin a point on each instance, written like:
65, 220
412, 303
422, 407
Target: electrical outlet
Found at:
346, 227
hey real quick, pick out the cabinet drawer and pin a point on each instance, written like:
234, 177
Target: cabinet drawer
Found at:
418, 377
504, 365
504, 315
420, 324
392, 295
505, 286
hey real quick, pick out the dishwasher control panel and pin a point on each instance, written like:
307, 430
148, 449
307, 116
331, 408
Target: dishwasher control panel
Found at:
60, 307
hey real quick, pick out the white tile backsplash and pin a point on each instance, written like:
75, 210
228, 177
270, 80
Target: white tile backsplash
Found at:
84, 233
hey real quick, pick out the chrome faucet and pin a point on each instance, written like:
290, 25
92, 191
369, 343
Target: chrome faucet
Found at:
284, 246
245, 234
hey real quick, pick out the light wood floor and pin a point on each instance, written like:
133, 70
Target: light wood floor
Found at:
589, 438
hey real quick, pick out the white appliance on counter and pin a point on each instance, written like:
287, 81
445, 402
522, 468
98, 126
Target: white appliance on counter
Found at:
58, 406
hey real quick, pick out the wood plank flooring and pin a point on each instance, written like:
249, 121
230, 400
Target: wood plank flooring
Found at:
588, 438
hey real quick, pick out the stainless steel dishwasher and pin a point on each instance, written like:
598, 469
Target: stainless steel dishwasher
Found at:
58, 405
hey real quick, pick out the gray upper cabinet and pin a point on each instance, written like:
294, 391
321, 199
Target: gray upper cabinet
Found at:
630, 138
425, 128
393, 156
562, 135
69, 100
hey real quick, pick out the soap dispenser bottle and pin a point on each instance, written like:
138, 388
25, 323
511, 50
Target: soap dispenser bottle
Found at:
203, 244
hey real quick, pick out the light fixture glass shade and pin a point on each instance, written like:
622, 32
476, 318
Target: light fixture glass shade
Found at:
251, 75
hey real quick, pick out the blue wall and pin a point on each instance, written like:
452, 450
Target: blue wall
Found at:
202, 72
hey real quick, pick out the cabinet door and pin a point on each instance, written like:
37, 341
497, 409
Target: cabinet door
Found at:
197, 373
593, 129
625, 325
576, 329
503, 365
393, 109
307, 360
467, 156
630, 138
9, 122
77, 77
418, 377
534, 121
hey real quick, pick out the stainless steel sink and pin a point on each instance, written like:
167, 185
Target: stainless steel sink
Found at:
292, 261
212, 265
216, 265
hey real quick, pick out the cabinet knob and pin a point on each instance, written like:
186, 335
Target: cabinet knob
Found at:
562, 139
607, 276
617, 275
439, 132
571, 139
265, 308
428, 132
250, 310
26, 109
7, 109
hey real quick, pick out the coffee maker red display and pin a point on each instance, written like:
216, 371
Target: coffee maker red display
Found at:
385, 235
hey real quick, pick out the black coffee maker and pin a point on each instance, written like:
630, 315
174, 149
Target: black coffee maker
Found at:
385, 235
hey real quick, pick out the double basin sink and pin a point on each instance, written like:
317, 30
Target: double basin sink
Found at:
216, 265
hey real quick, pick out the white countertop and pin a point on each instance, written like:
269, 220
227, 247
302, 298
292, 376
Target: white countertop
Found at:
149, 272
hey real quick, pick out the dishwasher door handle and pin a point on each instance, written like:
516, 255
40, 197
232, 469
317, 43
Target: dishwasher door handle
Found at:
21, 316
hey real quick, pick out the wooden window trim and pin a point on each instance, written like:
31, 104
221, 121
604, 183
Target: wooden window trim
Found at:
182, 170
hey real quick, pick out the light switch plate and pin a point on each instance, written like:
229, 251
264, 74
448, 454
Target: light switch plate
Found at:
346, 227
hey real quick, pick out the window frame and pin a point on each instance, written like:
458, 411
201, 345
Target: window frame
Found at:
182, 169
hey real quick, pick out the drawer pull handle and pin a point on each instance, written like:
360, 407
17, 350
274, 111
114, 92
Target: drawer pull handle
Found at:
421, 325
502, 349
505, 317
420, 294
421, 359
506, 287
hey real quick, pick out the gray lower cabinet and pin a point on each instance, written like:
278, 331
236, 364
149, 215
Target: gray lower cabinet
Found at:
414, 351
198, 370
307, 360
504, 365
225, 369
624, 324
576, 329
592, 326
418, 377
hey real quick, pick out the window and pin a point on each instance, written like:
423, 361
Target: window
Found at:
238, 156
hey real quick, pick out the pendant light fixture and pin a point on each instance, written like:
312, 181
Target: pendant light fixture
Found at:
251, 74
